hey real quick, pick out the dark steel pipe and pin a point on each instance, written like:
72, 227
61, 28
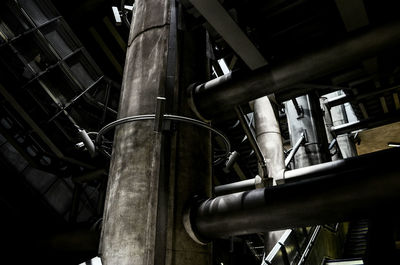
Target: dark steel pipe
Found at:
330, 192
227, 91
252, 139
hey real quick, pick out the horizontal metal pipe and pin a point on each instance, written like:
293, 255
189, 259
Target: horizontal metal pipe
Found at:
369, 123
227, 91
339, 100
244, 185
330, 192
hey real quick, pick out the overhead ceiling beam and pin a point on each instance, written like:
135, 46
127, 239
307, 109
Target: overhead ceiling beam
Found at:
30, 122
115, 33
223, 23
106, 50
353, 13
396, 100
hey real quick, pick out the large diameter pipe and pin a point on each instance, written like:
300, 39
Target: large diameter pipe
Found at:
227, 91
330, 192
269, 138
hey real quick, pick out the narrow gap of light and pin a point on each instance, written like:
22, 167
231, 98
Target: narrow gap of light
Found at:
130, 8
117, 16
394, 144
214, 72
223, 66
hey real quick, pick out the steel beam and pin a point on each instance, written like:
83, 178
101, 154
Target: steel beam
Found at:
223, 23
339, 100
344, 98
366, 123
326, 193
227, 91
252, 140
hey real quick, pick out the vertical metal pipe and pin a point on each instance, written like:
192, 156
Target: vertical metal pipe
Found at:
315, 150
328, 125
269, 137
270, 141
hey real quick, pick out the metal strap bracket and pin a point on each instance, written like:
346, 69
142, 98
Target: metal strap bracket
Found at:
165, 117
159, 116
299, 109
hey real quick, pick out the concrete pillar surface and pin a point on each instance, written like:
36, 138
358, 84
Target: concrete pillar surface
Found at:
153, 174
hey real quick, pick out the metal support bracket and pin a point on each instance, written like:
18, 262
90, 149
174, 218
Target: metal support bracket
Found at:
165, 117
332, 144
299, 109
302, 140
159, 117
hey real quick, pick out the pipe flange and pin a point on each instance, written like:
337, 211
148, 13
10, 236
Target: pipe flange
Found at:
188, 219
190, 91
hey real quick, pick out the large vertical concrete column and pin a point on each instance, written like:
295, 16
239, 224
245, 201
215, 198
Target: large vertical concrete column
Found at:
153, 174
191, 156
315, 150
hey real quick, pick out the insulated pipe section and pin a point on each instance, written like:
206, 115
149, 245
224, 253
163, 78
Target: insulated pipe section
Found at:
227, 91
330, 192
269, 138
